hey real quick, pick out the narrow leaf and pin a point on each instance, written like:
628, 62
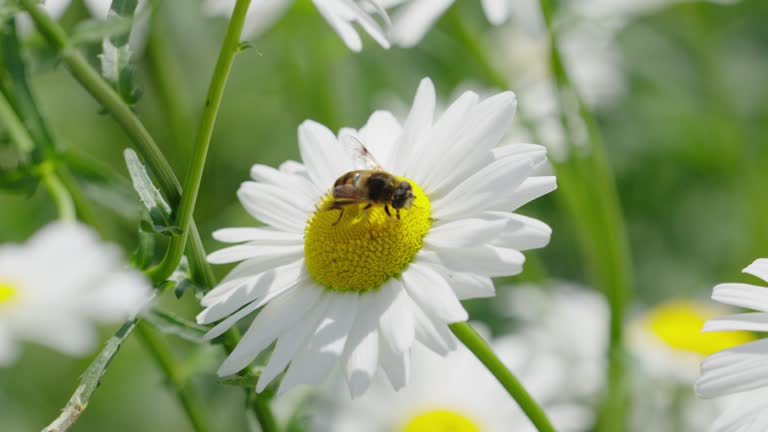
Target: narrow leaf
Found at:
159, 210
171, 324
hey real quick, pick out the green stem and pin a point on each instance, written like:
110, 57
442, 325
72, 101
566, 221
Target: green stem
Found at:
102, 92
610, 246
164, 358
59, 192
480, 348
26, 145
15, 128
229, 49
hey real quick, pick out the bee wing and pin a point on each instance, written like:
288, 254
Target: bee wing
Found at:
359, 152
347, 192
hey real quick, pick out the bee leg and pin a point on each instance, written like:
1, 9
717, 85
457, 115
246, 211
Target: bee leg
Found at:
386, 209
341, 213
368, 206
398, 214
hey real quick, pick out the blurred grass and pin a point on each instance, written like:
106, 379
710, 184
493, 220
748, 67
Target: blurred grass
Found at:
688, 143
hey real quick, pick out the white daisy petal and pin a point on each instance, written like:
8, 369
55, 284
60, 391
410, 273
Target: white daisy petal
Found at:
478, 230
491, 261
396, 321
396, 365
325, 346
414, 20
755, 321
470, 285
290, 343
260, 235
495, 10
271, 205
254, 289
277, 316
416, 126
734, 370
432, 293
298, 184
470, 151
379, 134
758, 268
429, 158
481, 191
742, 295
529, 190
256, 253
342, 27
523, 233
432, 333
323, 154
242, 274
362, 347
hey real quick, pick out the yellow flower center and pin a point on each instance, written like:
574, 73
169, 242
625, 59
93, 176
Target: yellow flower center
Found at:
679, 325
8, 292
440, 421
359, 249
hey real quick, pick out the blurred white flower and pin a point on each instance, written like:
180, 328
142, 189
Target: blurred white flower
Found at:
581, 346
562, 367
410, 19
742, 368
361, 286
58, 284
667, 345
99, 9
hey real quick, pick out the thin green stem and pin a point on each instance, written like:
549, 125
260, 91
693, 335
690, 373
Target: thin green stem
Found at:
229, 49
164, 358
59, 192
480, 348
105, 94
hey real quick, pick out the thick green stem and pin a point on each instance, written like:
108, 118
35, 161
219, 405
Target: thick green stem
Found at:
164, 358
611, 265
102, 92
15, 128
480, 348
229, 49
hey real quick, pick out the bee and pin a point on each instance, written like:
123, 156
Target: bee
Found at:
373, 186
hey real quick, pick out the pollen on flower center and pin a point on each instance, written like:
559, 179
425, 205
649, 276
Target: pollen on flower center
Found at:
440, 421
365, 247
8, 292
679, 325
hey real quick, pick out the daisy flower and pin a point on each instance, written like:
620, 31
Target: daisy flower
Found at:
667, 346
360, 283
457, 393
743, 367
55, 286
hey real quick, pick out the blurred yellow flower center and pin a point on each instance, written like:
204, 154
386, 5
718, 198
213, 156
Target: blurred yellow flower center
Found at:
360, 249
679, 325
8, 292
440, 421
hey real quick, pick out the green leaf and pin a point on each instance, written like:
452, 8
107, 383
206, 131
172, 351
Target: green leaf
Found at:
145, 251
116, 51
19, 180
245, 379
91, 379
94, 30
159, 210
171, 324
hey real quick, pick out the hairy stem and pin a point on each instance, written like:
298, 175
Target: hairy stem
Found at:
229, 49
480, 348
145, 144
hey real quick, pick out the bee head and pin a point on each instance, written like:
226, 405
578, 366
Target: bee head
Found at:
403, 196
